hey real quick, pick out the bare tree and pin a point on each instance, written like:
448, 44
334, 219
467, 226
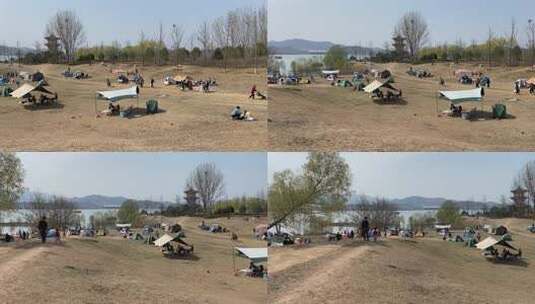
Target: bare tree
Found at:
414, 29
177, 36
490, 40
208, 180
531, 41
380, 212
512, 43
204, 38
69, 29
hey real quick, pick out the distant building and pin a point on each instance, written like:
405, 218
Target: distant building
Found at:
520, 200
52, 44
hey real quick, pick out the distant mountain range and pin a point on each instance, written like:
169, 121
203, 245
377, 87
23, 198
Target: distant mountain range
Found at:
96, 201
423, 203
12, 51
302, 46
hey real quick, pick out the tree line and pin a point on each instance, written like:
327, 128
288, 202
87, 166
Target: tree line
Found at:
237, 39
410, 42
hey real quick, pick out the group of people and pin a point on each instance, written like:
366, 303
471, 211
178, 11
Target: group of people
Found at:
456, 110
237, 114
368, 233
43, 99
531, 87
256, 271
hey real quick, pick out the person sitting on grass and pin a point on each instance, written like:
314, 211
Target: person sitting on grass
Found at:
114, 109
236, 114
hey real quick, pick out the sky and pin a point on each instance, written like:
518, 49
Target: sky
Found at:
109, 20
458, 176
352, 21
138, 175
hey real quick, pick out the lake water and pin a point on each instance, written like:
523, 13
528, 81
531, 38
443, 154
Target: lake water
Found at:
285, 61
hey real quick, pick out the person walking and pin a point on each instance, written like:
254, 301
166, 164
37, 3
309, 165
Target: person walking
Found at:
365, 227
43, 229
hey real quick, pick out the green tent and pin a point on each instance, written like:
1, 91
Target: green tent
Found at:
499, 111
344, 83
152, 106
5, 91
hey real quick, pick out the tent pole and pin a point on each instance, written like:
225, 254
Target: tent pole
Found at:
233, 261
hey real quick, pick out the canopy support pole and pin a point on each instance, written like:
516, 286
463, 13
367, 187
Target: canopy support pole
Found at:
233, 261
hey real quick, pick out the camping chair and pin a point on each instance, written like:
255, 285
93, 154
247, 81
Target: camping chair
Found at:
499, 111
152, 106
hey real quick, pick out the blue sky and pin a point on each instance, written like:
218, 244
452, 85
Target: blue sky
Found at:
138, 175
108, 20
450, 175
351, 21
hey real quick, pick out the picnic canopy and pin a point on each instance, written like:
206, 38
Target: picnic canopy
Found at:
331, 72
27, 88
462, 96
117, 95
490, 241
376, 84
256, 255
167, 238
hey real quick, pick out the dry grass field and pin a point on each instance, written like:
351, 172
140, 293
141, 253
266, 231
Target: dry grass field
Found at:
116, 270
422, 270
321, 117
189, 121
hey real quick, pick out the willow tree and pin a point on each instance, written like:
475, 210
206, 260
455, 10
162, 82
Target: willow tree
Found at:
322, 186
11, 180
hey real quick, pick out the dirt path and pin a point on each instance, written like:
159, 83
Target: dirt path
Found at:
323, 282
13, 266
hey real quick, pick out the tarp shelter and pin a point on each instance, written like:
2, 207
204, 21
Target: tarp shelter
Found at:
332, 72
120, 226
166, 238
27, 88
180, 78
531, 81
255, 255
376, 85
490, 241
462, 96
116, 95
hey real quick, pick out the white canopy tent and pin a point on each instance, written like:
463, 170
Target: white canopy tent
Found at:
255, 255
332, 72
490, 241
462, 96
166, 238
116, 95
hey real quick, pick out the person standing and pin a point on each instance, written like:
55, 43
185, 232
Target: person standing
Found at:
43, 229
365, 227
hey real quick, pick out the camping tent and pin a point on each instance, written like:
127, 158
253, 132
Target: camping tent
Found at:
26, 89
490, 241
462, 96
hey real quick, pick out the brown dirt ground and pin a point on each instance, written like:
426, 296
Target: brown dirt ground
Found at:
190, 121
321, 117
114, 270
423, 270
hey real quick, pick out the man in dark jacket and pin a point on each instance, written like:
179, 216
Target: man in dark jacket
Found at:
365, 227
43, 229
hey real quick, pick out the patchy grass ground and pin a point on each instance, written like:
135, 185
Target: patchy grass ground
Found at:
321, 117
423, 270
115, 270
189, 121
